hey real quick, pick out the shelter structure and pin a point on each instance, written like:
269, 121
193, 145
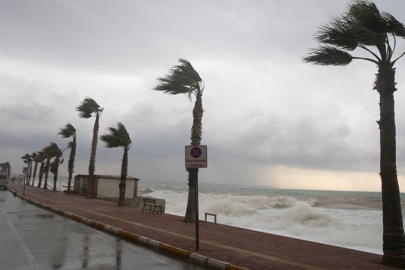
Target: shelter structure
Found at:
106, 186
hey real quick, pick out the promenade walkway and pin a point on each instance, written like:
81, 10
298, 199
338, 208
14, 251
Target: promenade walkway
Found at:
240, 247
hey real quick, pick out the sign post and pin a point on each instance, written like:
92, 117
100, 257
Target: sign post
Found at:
195, 158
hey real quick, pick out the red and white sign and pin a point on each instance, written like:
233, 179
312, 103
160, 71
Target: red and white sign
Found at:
196, 156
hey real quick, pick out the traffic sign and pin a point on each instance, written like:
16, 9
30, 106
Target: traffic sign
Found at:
196, 156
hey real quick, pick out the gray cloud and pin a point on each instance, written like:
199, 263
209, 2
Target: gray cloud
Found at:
263, 105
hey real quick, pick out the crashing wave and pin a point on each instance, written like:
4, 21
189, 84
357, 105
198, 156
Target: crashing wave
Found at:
146, 190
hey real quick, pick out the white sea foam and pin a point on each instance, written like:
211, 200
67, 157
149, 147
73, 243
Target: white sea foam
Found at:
145, 190
285, 215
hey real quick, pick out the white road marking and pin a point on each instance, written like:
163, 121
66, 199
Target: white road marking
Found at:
21, 242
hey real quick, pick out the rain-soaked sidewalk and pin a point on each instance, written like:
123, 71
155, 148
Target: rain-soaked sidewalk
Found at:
237, 246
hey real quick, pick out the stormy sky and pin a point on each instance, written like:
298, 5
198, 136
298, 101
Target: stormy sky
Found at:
270, 119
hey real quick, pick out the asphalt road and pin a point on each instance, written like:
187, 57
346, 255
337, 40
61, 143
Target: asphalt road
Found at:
33, 238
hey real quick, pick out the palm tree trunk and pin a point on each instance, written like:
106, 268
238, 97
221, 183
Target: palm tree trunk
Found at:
393, 236
93, 157
29, 175
35, 173
55, 175
124, 171
190, 211
71, 164
41, 173
196, 132
46, 173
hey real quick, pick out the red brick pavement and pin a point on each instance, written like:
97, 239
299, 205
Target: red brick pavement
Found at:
241, 247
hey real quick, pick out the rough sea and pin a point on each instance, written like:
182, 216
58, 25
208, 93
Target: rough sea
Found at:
341, 218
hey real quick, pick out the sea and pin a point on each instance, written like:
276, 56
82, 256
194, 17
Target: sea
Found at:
350, 219
340, 218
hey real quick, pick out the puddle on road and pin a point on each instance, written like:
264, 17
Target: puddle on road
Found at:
44, 215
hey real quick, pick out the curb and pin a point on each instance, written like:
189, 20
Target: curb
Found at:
134, 238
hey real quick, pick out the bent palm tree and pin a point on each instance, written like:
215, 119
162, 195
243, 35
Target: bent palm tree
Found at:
49, 153
365, 27
34, 157
41, 168
67, 132
183, 79
30, 170
27, 160
119, 137
54, 166
87, 109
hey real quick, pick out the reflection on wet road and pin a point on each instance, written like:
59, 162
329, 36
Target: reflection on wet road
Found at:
32, 238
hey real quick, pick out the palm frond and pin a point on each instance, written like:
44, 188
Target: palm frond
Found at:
67, 131
26, 158
182, 79
37, 157
53, 151
361, 26
41, 155
328, 56
338, 33
69, 145
369, 26
54, 165
393, 25
87, 108
34, 156
118, 137
365, 14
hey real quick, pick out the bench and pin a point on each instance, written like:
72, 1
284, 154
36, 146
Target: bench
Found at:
211, 214
151, 203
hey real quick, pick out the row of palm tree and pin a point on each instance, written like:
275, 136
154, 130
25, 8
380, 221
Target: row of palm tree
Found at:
50, 156
86, 110
50, 159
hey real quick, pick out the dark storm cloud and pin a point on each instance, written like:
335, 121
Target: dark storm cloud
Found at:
33, 112
110, 37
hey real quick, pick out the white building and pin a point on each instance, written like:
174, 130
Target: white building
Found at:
106, 186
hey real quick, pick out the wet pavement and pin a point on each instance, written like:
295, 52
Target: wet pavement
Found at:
33, 238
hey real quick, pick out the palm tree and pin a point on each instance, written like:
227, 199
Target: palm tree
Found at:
67, 132
42, 167
54, 166
119, 137
183, 79
87, 109
364, 26
27, 160
49, 153
35, 159
29, 171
